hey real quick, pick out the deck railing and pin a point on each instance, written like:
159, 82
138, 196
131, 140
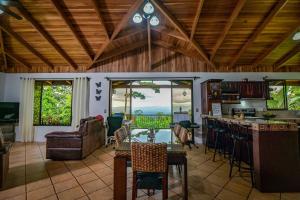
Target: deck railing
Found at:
151, 121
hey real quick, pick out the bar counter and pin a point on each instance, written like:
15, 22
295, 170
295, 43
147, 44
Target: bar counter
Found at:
276, 153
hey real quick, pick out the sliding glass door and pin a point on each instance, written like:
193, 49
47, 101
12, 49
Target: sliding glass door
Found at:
151, 103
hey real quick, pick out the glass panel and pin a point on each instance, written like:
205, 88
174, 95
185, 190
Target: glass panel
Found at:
56, 104
293, 95
276, 95
151, 104
121, 98
182, 100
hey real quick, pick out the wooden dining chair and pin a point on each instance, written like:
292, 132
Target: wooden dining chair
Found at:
185, 137
149, 167
120, 135
176, 129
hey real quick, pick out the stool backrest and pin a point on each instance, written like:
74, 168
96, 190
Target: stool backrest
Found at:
149, 157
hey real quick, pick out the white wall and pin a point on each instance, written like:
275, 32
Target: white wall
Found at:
2, 80
11, 91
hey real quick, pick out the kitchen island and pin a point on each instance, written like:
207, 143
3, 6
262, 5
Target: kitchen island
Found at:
276, 153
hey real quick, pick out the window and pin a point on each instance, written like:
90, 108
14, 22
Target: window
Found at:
52, 103
151, 103
284, 95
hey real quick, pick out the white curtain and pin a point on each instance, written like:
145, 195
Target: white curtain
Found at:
26, 109
80, 100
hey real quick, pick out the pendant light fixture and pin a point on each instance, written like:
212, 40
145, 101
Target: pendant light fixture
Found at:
147, 13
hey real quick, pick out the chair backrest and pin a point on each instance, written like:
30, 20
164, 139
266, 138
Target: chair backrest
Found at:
114, 123
120, 135
185, 123
184, 135
118, 115
149, 157
177, 129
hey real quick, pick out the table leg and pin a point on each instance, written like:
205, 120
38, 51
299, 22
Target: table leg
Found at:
185, 184
120, 178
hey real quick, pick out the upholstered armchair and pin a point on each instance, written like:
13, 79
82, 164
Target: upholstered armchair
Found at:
78, 144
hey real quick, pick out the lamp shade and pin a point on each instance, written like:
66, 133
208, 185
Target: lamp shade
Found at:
154, 21
137, 18
148, 8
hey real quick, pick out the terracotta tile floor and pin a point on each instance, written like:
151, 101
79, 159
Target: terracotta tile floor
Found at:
32, 177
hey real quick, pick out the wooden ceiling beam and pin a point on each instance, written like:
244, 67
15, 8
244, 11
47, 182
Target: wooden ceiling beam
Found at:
46, 36
171, 47
180, 28
169, 32
130, 34
18, 60
121, 50
149, 43
196, 19
117, 30
100, 17
3, 50
272, 13
16, 36
279, 63
274, 46
57, 4
233, 16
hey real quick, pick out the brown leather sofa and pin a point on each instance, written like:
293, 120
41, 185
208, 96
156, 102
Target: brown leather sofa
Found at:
78, 144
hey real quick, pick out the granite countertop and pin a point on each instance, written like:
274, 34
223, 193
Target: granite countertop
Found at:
250, 121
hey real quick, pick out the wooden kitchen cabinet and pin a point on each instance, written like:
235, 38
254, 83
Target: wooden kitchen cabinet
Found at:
210, 93
252, 89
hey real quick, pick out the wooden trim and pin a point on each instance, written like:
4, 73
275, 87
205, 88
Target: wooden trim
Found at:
121, 50
100, 17
272, 13
3, 50
60, 10
46, 36
149, 43
117, 30
18, 60
286, 57
169, 32
180, 28
196, 19
172, 48
227, 27
16, 36
266, 52
133, 32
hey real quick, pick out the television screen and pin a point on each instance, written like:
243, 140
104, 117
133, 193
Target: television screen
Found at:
9, 112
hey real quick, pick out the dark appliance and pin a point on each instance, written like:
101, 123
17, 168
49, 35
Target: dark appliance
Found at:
9, 112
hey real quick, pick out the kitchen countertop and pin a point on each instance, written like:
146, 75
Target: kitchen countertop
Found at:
251, 121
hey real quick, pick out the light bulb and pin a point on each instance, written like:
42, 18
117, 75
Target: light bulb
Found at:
137, 18
296, 36
1, 11
148, 8
154, 21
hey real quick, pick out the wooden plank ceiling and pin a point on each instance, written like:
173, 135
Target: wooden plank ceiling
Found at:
193, 35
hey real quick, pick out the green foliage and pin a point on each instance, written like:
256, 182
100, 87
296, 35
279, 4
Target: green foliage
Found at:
152, 121
277, 95
52, 104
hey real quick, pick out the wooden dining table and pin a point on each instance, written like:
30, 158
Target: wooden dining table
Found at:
175, 151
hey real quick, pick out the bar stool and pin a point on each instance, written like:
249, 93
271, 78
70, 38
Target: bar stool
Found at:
210, 127
241, 139
220, 129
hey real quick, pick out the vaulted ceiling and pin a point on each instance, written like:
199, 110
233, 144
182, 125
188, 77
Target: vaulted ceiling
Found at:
93, 35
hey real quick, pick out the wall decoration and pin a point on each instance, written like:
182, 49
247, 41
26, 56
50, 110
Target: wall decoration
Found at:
98, 85
98, 98
98, 91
